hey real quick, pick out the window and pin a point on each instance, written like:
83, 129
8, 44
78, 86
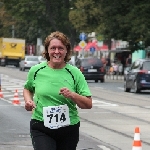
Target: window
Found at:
146, 65
137, 65
32, 59
91, 62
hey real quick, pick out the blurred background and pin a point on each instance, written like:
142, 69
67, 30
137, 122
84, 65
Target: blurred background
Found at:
99, 28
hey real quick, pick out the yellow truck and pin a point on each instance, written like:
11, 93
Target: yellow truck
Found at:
12, 51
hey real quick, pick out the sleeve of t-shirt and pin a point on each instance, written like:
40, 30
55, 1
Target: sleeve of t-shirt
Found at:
29, 84
81, 85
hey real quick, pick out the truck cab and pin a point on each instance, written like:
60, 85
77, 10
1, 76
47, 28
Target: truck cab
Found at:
12, 51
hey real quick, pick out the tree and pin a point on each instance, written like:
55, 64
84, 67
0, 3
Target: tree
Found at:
140, 25
40, 17
5, 21
127, 20
86, 15
27, 24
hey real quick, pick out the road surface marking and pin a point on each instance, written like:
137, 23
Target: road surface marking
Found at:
134, 112
103, 147
147, 106
102, 112
121, 88
100, 103
15, 88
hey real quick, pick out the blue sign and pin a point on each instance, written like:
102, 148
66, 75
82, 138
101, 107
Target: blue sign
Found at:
92, 49
82, 36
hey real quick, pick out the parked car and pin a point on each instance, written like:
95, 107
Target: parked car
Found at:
28, 62
92, 68
138, 76
41, 59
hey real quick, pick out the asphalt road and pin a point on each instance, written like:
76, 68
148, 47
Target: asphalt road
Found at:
109, 125
14, 119
14, 129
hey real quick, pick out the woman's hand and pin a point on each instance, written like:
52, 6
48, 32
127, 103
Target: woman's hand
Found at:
29, 105
84, 102
66, 92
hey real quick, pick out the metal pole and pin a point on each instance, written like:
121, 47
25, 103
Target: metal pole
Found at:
0, 82
82, 52
13, 31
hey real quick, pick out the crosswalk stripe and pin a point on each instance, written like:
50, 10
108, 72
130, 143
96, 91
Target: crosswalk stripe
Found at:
7, 86
12, 84
8, 96
20, 98
15, 88
4, 92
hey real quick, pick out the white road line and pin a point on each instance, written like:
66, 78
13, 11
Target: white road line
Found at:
21, 103
20, 98
103, 147
97, 87
121, 88
102, 112
21, 91
5, 100
100, 103
7, 83
147, 106
8, 95
134, 112
104, 105
16, 80
15, 88
5, 105
8, 86
4, 92
3, 75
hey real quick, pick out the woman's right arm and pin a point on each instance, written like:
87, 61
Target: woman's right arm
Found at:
28, 98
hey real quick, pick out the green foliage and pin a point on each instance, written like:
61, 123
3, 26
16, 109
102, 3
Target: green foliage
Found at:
127, 20
122, 20
86, 15
140, 26
39, 18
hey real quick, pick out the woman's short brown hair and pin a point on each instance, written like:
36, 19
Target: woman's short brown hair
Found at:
63, 38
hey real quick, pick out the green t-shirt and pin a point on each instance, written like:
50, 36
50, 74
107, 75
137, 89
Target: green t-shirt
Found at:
46, 83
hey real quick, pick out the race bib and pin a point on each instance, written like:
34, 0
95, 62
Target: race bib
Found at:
56, 116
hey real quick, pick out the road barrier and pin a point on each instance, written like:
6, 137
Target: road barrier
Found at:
137, 142
1, 94
16, 100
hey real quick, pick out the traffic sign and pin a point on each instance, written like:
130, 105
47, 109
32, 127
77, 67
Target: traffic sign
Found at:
100, 43
92, 49
82, 36
100, 37
82, 44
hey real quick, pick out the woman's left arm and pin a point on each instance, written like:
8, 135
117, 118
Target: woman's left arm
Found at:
83, 102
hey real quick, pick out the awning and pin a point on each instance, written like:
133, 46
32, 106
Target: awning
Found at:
103, 48
77, 48
90, 45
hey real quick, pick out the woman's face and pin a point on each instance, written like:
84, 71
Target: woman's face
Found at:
57, 51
